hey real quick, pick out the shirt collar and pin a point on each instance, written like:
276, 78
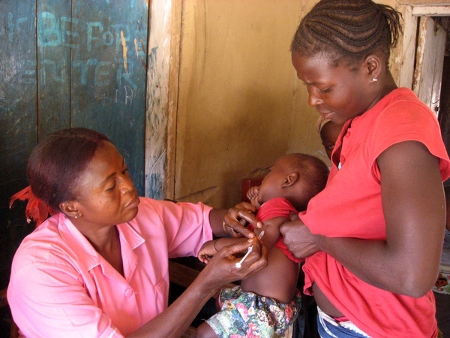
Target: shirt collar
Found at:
86, 253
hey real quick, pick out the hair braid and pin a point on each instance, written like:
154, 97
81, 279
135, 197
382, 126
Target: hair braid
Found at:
350, 29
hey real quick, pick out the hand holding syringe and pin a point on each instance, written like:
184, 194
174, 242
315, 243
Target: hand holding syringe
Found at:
239, 264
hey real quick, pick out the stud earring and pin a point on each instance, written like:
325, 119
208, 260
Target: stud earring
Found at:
374, 79
78, 215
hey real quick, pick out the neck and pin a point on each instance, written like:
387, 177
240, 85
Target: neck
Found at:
106, 242
387, 85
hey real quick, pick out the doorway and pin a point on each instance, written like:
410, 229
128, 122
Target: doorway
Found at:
425, 58
444, 104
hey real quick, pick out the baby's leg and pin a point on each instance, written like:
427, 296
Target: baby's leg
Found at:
205, 331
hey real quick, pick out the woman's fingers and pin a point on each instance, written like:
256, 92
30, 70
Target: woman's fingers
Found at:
229, 259
298, 239
238, 217
257, 262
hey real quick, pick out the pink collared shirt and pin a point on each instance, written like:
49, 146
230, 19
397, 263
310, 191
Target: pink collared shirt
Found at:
61, 287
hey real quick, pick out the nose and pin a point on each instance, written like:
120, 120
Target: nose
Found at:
314, 97
127, 184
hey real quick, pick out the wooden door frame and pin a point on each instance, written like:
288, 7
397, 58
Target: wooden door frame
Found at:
164, 40
411, 14
429, 63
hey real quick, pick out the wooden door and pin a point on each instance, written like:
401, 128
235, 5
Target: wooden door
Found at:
68, 64
429, 62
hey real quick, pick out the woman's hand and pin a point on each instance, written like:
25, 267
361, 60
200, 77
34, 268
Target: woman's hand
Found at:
299, 240
222, 268
220, 271
239, 216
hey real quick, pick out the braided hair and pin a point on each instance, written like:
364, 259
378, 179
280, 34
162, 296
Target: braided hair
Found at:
348, 29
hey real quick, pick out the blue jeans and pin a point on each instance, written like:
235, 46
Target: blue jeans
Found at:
328, 328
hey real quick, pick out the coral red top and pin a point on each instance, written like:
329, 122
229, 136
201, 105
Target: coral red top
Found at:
351, 206
278, 207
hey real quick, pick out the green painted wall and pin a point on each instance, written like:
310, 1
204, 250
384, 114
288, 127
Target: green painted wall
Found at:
67, 64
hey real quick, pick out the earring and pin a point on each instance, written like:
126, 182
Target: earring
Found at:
78, 215
374, 79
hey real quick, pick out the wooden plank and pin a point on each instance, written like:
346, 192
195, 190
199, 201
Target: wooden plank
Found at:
183, 273
55, 40
430, 61
18, 133
108, 78
406, 58
172, 93
159, 65
432, 10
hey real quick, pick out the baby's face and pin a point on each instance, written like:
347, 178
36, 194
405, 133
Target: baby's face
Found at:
271, 185
329, 134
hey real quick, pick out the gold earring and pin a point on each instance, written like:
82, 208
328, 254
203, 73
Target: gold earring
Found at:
78, 215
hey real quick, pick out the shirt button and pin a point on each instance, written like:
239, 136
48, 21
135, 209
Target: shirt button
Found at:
129, 292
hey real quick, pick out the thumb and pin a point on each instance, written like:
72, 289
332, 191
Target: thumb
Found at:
238, 247
293, 216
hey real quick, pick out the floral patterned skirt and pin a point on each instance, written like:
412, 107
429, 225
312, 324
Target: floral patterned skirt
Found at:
247, 314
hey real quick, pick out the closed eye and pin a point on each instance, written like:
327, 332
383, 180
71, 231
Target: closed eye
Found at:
317, 85
324, 91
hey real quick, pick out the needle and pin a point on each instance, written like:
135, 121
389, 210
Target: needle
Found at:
239, 264
261, 234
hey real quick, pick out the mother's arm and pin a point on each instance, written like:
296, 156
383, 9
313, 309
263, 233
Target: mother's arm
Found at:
407, 262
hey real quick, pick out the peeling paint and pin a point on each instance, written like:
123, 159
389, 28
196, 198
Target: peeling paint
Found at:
136, 47
160, 158
124, 51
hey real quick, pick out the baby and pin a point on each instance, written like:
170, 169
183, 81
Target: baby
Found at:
267, 303
329, 132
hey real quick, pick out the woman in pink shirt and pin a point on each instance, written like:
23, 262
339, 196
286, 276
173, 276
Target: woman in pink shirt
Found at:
373, 237
98, 267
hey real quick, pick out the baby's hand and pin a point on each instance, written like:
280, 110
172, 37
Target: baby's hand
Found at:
207, 251
252, 195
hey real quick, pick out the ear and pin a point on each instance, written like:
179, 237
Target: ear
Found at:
373, 66
70, 209
290, 180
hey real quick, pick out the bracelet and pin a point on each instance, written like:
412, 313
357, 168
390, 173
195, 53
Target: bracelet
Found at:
214, 245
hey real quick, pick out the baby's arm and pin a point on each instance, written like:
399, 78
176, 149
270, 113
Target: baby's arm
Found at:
252, 195
207, 251
271, 228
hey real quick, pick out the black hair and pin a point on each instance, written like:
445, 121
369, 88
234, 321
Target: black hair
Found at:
348, 29
314, 171
57, 162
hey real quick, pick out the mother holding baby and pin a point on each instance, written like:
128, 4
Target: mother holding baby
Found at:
373, 237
